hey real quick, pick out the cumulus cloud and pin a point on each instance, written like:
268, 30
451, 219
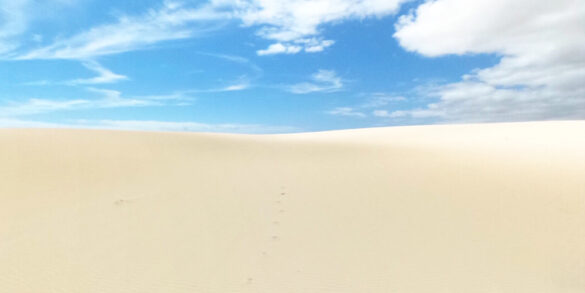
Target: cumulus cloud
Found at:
311, 45
279, 48
540, 75
314, 45
322, 81
287, 21
296, 23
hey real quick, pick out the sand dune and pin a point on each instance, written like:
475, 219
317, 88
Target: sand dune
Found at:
462, 208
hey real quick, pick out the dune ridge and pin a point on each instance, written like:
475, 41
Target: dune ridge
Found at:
453, 208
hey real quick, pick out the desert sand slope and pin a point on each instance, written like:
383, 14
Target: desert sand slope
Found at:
466, 208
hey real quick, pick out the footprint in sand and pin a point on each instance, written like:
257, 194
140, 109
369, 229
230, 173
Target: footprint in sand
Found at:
120, 202
279, 210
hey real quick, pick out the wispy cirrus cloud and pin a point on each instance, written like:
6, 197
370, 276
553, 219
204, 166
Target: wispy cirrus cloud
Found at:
107, 98
152, 125
377, 100
13, 21
36, 106
322, 81
346, 111
104, 75
236, 87
236, 59
240, 84
418, 114
371, 106
19, 123
16, 17
172, 21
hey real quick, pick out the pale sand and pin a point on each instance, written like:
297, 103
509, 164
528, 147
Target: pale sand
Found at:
467, 208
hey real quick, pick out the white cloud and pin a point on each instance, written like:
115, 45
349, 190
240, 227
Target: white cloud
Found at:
377, 100
293, 20
294, 26
151, 125
322, 81
256, 71
43, 82
104, 75
386, 114
37, 38
311, 45
186, 126
106, 99
279, 48
114, 99
171, 22
35, 106
373, 101
236, 87
540, 75
346, 111
242, 83
381, 113
13, 21
17, 123
239, 84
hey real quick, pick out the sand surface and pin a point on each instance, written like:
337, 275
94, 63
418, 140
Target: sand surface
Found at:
463, 208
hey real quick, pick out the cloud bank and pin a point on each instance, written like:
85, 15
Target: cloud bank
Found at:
540, 75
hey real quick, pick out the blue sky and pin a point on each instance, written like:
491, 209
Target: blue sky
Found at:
273, 66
